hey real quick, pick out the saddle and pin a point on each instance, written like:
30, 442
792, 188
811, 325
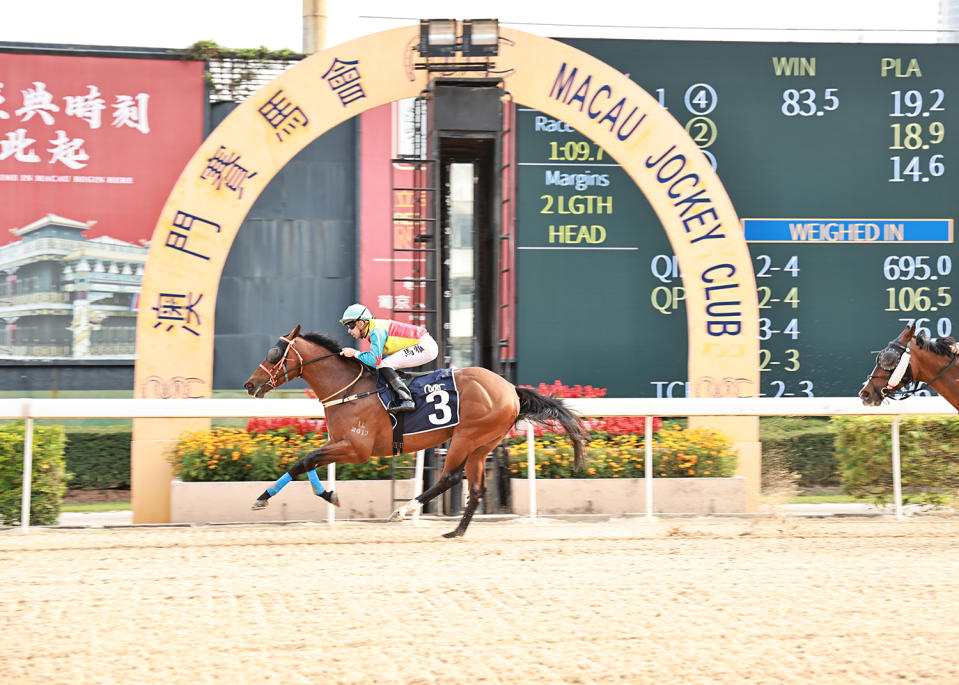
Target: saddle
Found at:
436, 399
408, 376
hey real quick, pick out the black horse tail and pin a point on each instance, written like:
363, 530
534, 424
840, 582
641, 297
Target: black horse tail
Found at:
541, 409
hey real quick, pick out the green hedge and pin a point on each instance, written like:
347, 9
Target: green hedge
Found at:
928, 457
811, 456
48, 474
798, 450
98, 458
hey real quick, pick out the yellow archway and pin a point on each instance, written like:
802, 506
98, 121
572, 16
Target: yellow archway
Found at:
213, 195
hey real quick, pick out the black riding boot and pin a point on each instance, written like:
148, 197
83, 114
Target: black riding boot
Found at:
403, 396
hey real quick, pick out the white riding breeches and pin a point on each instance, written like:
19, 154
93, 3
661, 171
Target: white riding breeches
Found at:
422, 352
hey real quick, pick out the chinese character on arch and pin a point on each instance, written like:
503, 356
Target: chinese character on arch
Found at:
185, 222
283, 115
344, 79
177, 310
224, 169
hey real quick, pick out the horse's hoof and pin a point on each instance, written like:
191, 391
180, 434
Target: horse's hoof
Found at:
331, 497
454, 534
397, 515
260, 504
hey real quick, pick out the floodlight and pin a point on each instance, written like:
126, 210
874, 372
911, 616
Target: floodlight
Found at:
437, 37
480, 37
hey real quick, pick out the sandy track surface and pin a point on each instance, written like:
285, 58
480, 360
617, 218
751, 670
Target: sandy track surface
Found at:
626, 601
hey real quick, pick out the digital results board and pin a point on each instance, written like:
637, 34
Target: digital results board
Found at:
839, 160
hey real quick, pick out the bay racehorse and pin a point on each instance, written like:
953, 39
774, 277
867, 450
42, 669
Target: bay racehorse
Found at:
912, 359
359, 427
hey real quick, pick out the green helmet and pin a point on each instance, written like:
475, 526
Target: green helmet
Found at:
354, 312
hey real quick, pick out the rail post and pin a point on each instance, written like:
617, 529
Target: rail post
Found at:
331, 481
896, 467
648, 467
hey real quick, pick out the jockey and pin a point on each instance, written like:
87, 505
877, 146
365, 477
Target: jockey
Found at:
393, 345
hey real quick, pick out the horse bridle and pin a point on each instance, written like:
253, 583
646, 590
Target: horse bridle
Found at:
279, 358
894, 358
897, 362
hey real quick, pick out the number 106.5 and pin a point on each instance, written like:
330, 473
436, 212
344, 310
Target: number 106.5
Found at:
918, 299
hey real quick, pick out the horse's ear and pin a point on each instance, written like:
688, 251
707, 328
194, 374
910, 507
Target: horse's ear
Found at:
296, 332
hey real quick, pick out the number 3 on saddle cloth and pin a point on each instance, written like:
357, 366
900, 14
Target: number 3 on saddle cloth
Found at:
436, 400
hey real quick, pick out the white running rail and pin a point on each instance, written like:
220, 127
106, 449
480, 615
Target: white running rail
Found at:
46, 408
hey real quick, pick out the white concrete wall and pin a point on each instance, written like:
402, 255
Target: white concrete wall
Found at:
231, 501
628, 495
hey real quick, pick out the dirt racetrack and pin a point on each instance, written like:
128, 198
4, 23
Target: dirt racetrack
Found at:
686, 601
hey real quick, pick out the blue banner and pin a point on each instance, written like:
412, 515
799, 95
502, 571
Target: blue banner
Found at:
848, 230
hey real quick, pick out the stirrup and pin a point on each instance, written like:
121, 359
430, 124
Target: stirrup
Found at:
402, 407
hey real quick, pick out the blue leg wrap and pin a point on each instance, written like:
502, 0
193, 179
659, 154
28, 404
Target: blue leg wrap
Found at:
278, 485
315, 481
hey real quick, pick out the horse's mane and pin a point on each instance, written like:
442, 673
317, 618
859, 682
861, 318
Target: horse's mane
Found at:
323, 341
947, 347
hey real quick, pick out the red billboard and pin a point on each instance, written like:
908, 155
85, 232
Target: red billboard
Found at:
95, 139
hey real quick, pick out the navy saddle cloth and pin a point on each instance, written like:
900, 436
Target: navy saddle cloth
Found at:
435, 397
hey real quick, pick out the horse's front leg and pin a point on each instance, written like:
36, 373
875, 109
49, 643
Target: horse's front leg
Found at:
340, 450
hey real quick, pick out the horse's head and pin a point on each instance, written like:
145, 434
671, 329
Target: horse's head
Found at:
892, 371
277, 368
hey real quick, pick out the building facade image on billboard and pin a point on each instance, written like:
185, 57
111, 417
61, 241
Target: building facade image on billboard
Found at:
68, 296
